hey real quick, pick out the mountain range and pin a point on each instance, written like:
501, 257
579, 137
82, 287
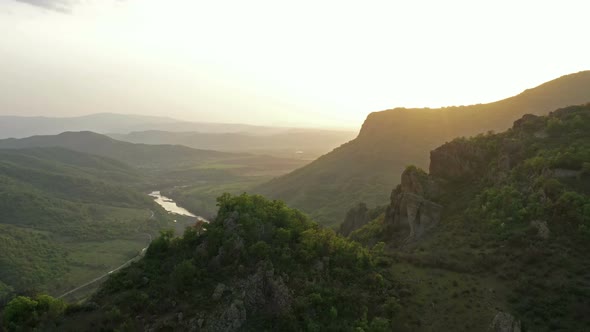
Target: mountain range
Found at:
151, 157
24, 126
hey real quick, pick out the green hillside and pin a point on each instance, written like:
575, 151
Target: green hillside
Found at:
258, 266
500, 224
141, 155
365, 169
57, 207
186, 174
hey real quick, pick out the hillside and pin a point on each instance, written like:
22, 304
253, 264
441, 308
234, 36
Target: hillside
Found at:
500, 223
143, 155
365, 169
169, 162
58, 209
258, 266
294, 143
193, 177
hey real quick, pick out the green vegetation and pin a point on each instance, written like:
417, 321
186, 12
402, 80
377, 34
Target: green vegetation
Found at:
259, 264
512, 237
203, 197
194, 177
365, 169
55, 203
172, 163
514, 232
26, 314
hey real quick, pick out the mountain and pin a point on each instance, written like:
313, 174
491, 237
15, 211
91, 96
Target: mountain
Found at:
60, 206
364, 169
299, 143
142, 155
22, 126
498, 231
146, 156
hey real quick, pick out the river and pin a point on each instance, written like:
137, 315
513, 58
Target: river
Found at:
170, 205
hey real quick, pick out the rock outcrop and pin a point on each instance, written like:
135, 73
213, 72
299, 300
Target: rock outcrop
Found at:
412, 204
356, 218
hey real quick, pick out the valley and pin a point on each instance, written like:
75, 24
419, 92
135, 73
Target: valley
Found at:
156, 237
294, 166
493, 234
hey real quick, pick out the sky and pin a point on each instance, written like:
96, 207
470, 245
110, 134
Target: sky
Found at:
304, 63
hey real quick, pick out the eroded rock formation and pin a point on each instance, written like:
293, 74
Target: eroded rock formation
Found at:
412, 204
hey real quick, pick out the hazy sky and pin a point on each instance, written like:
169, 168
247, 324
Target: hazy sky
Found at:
317, 63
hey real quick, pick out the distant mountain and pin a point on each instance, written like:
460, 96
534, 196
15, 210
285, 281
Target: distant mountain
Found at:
300, 143
141, 155
21, 126
365, 169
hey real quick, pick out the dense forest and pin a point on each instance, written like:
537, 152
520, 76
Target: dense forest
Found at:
494, 236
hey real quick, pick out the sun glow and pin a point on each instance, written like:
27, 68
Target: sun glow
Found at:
306, 62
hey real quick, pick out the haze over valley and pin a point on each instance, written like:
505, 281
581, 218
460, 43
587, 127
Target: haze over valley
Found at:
310, 166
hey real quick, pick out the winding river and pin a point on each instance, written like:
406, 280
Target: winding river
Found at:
170, 205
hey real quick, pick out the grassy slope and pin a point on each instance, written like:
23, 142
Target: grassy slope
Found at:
367, 168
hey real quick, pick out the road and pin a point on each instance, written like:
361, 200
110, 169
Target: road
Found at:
127, 263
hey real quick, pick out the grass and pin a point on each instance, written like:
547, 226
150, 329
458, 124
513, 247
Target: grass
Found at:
89, 260
443, 300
